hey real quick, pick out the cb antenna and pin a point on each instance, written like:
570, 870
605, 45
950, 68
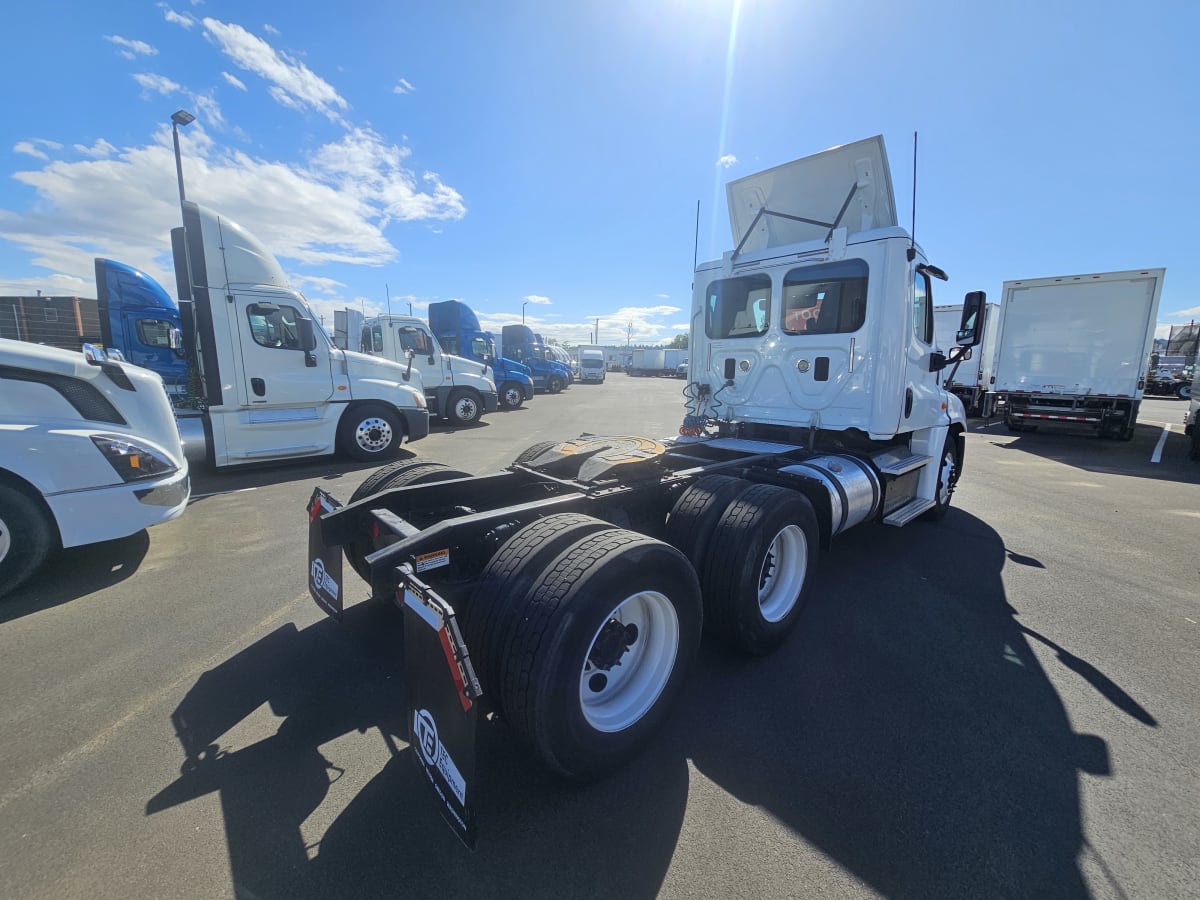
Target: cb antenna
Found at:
389, 297
912, 234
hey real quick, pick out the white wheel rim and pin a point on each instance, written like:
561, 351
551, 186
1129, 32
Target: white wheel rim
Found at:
782, 575
946, 475
373, 434
5, 540
616, 697
466, 408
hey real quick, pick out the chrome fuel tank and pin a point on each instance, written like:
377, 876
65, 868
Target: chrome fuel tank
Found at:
854, 489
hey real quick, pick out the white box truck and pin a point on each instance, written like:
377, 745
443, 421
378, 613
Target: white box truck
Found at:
591, 364
970, 380
89, 452
1074, 350
583, 572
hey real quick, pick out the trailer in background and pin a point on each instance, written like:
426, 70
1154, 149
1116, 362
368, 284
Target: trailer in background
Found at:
1073, 350
969, 381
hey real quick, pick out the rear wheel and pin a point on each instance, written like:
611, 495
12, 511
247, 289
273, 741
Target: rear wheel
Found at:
531, 453
599, 651
371, 431
1184, 391
399, 474
757, 575
26, 537
464, 407
694, 517
502, 588
511, 395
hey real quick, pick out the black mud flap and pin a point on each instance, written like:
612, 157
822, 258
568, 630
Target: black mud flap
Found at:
442, 695
324, 562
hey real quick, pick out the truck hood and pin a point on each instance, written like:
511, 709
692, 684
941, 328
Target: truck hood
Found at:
361, 365
135, 393
462, 364
847, 187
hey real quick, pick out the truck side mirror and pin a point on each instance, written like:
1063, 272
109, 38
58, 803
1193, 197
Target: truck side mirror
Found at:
308, 340
970, 329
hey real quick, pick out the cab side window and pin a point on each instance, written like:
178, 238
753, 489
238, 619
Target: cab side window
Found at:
922, 307
154, 332
275, 326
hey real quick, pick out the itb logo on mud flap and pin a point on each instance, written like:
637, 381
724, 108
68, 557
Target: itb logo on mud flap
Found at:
435, 755
322, 580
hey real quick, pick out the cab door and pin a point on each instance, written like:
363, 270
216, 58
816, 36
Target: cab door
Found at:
923, 398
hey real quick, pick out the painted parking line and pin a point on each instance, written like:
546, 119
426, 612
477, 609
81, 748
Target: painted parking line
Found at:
1156, 456
219, 493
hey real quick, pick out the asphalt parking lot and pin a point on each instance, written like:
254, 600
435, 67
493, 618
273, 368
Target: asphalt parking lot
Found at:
1003, 704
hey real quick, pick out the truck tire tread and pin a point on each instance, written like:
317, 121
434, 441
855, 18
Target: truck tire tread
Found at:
552, 637
694, 517
740, 543
29, 534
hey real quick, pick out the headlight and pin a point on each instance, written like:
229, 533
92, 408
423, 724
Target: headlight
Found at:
418, 397
491, 384
131, 461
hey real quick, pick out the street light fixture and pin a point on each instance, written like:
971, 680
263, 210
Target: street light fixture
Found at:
180, 117
523, 305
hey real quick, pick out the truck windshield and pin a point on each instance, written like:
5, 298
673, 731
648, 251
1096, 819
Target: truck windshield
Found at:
825, 299
592, 363
738, 307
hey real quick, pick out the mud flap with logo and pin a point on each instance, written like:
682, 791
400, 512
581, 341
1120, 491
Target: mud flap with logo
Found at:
324, 562
442, 694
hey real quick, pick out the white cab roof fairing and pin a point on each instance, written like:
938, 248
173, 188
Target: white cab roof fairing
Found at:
244, 258
852, 180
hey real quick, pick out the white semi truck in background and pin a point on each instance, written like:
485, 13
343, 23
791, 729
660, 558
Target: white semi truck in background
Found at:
584, 573
1074, 350
456, 388
970, 380
269, 384
89, 452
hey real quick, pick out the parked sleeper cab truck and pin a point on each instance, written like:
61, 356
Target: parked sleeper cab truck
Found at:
520, 343
271, 386
581, 575
89, 452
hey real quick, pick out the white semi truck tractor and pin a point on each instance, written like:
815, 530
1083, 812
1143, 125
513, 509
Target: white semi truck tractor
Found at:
89, 452
568, 593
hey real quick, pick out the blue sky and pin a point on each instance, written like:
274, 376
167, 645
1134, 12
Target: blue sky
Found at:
551, 154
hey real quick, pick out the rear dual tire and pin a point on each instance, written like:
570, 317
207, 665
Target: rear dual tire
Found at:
583, 633
399, 474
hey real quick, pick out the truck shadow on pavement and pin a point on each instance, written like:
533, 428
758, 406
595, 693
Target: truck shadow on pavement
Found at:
907, 731
76, 572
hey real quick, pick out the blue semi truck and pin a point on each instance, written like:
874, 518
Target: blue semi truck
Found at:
456, 327
141, 320
520, 343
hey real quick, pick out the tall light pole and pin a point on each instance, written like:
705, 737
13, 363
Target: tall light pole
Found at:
180, 117
523, 305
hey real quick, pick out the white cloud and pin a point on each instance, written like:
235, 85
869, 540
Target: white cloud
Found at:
637, 324
293, 84
403, 86
534, 298
727, 160
182, 19
99, 150
270, 29
330, 208
1185, 313
662, 296
131, 49
305, 283
33, 147
208, 110
158, 84
29, 149
234, 80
